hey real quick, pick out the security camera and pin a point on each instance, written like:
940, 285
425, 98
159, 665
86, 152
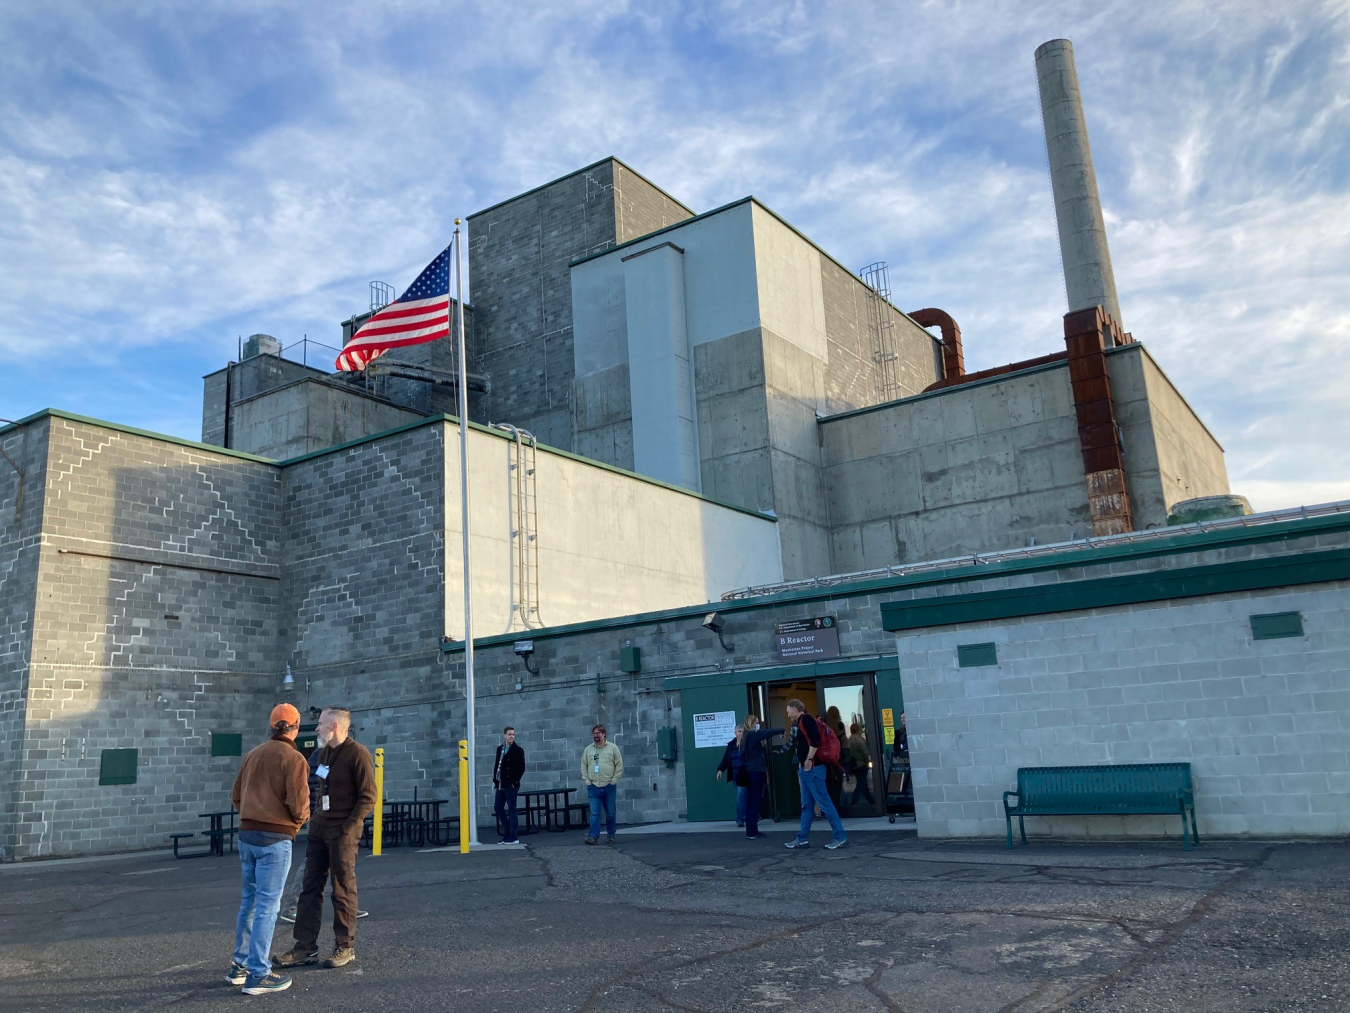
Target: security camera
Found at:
525, 648
713, 621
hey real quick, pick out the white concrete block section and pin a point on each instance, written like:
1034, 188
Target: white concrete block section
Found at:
1265, 724
660, 368
610, 543
791, 298
1088, 278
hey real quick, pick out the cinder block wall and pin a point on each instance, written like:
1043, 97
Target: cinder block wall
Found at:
155, 625
1264, 724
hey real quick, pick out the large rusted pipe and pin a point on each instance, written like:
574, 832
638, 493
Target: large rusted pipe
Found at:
953, 362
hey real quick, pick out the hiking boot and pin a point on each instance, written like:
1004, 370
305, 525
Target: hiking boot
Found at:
592, 840
294, 958
836, 845
797, 844
237, 974
342, 956
271, 983
287, 916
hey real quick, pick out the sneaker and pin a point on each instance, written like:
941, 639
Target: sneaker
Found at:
740, 824
609, 839
271, 983
592, 840
287, 916
237, 974
836, 845
294, 958
757, 837
363, 914
797, 844
342, 956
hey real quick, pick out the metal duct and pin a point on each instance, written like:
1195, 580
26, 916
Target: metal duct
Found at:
1088, 279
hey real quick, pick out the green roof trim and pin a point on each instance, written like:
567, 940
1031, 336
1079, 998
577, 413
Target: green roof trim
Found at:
1116, 590
384, 434
1183, 541
57, 413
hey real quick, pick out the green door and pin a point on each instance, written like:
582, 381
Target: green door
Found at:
711, 708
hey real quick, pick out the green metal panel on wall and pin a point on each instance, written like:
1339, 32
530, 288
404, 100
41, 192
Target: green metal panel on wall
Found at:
708, 798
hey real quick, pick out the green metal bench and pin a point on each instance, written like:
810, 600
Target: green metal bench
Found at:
1129, 789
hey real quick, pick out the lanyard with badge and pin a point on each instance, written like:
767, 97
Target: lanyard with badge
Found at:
321, 772
595, 755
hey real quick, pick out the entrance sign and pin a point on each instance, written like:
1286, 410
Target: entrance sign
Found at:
807, 639
714, 729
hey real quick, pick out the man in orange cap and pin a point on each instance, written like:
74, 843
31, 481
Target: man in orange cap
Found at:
272, 797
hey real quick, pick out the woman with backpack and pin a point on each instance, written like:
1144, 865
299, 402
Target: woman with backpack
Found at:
755, 768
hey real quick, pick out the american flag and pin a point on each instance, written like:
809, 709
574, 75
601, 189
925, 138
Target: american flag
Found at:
419, 314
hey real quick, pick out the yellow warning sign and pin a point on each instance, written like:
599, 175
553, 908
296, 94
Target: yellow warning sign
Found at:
890, 736
887, 718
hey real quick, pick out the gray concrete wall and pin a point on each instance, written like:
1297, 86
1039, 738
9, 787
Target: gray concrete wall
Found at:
982, 467
309, 415
520, 254
1169, 454
247, 379
155, 625
20, 545
1264, 724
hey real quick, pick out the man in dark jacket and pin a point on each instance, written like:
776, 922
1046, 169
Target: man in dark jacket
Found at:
731, 764
507, 770
346, 796
811, 777
756, 770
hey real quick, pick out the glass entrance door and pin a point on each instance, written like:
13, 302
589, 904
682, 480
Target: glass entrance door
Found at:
848, 705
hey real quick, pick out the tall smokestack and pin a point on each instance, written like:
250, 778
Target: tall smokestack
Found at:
1088, 278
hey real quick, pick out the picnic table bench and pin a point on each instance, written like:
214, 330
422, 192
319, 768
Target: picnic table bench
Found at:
1127, 789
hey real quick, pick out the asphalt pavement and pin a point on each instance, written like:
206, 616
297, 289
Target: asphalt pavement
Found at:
716, 922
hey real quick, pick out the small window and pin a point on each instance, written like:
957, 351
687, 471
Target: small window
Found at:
227, 744
1276, 625
976, 655
117, 766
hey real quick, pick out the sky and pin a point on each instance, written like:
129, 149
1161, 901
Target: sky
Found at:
176, 175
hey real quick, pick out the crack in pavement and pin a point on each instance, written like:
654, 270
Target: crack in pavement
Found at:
1171, 933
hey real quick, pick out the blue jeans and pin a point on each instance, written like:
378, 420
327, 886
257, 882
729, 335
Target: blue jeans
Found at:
814, 793
600, 797
264, 877
741, 794
508, 820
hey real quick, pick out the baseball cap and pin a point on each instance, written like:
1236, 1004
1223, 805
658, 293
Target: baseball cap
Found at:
284, 712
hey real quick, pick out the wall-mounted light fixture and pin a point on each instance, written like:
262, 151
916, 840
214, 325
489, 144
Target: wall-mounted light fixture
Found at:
525, 649
713, 621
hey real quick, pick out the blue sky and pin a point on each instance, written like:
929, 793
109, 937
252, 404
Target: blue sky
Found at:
174, 175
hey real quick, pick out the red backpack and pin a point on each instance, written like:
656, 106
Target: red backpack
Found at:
828, 750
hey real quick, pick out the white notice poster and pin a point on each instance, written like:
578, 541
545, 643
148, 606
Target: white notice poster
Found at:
715, 729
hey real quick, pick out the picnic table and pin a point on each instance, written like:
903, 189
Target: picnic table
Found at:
545, 809
216, 835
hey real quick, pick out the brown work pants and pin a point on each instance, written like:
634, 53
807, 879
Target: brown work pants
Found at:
329, 854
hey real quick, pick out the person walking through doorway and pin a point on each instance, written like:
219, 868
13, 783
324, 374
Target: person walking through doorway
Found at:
272, 800
601, 769
811, 776
507, 770
756, 769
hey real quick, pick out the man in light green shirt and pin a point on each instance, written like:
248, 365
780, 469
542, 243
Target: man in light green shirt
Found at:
601, 769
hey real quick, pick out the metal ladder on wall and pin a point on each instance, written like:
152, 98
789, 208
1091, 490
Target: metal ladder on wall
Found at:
523, 516
881, 329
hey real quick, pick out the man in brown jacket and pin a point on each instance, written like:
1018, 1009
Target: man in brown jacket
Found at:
346, 795
273, 801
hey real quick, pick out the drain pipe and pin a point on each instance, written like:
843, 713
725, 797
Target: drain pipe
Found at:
953, 362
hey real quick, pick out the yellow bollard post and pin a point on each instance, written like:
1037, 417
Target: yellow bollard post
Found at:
377, 817
464, 796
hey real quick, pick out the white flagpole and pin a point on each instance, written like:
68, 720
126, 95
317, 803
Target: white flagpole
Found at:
463, 396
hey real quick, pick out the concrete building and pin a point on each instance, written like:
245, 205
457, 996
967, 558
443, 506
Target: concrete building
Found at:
720, 412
